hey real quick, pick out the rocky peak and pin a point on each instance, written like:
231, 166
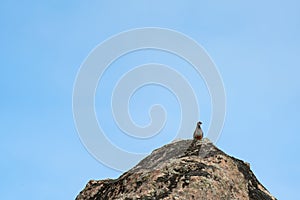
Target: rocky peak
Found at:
186, 169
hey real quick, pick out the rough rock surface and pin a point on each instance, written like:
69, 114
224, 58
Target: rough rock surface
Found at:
184, 169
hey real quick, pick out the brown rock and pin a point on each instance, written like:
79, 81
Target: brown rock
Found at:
186, 169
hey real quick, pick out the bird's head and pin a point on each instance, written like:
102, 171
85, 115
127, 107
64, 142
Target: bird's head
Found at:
199, 124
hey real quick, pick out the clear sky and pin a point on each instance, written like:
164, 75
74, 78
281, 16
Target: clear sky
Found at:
255, 46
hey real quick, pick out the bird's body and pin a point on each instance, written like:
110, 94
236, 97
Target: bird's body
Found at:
198, 133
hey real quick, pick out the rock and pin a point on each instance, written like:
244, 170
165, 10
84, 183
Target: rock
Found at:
185, 169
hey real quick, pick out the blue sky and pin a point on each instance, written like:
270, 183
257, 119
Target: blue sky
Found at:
255, 45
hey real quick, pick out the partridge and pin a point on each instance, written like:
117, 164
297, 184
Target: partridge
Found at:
198, 133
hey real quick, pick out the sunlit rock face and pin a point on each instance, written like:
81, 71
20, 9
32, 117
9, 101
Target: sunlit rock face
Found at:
186, 169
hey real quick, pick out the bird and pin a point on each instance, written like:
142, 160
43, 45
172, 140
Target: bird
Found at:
198, 133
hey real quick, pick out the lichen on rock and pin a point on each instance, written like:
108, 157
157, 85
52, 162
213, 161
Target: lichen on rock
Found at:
185, 169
